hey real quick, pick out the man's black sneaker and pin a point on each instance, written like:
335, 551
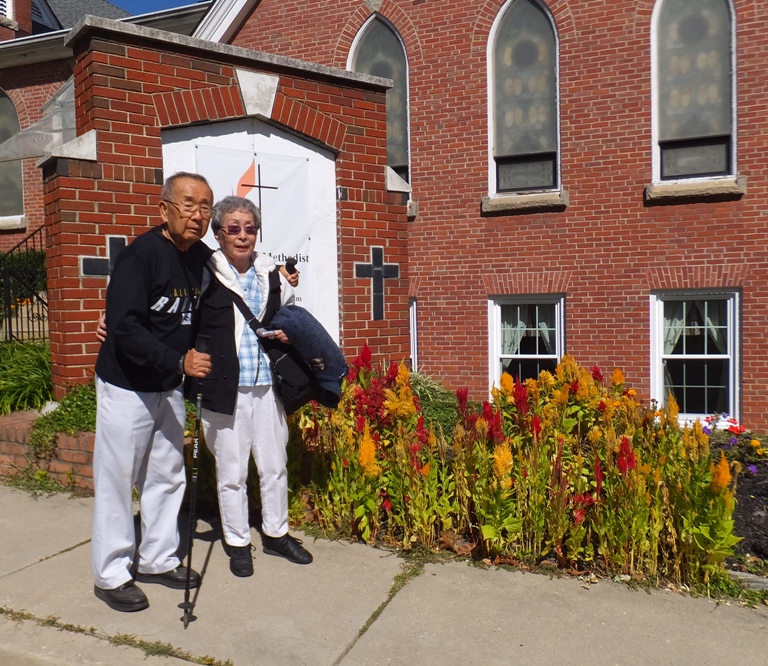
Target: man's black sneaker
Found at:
288, 547
127, 598
240, 561
175, 578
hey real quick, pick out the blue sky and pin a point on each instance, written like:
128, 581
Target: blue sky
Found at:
136, 7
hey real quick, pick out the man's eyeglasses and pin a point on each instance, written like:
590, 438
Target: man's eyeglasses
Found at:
187, 208
235, 229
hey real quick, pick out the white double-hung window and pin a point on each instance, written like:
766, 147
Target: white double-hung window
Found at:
526, 335
695, 351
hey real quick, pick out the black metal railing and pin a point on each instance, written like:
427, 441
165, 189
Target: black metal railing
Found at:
23, 290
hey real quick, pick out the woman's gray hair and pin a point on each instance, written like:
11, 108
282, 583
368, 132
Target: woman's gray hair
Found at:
232, 205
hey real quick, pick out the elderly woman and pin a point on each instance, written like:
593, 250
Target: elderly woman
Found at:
241, 413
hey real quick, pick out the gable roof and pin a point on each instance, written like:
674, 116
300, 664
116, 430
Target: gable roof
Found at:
69, 12
224, 18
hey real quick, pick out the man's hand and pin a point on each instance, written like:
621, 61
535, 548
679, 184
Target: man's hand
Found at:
197, 364
101, 328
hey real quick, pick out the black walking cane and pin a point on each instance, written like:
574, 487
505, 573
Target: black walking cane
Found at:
203, 347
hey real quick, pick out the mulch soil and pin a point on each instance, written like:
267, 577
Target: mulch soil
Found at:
751, 513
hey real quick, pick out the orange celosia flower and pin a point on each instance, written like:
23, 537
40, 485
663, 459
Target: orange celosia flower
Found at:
367, 455
617, 377
425, 470
721, 474
507, 384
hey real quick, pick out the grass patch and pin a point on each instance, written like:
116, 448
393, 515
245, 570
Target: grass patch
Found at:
38, 482
149, 648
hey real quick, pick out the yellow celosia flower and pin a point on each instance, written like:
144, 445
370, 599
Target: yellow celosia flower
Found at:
403, 375
617, 377
546, 380
672, 408
481, 427
631, 393
582, 393
502, 460
367, 455
507, 384
400, 403
721, 474
532, 386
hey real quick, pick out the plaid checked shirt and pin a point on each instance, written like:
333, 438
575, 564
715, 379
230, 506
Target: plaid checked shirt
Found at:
254, 366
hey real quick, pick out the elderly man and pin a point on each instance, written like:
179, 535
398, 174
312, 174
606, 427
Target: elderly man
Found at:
140, 416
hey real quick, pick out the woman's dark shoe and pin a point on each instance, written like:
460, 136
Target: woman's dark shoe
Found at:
288, 547
240, 561
127, 598
175, 578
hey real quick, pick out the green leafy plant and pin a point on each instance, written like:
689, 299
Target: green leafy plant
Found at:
76, 413
25, 376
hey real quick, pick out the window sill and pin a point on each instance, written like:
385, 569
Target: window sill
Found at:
702, 189
523, 203
13, 223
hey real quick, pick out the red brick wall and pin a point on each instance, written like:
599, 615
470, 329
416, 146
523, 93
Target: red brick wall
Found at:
612, 247
127, 89
72, 461
29, 88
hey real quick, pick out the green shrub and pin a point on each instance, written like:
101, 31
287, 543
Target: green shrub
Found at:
76, 413
439, 405
25, 376
28, 271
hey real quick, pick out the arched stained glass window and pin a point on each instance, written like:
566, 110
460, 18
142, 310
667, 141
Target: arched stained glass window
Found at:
12, 199
380, 52
694, 88
525, 99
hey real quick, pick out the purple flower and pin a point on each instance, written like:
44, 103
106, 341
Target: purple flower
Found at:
752, 469
706, 430
734, 441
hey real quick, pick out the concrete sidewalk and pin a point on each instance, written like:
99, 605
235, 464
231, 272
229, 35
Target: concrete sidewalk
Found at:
337, 610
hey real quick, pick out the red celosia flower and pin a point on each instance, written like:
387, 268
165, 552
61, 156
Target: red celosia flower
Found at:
391, 373
520, 396
461, 396
386, 504
581, 502
574, 386
626, 461
535, 425
363, 360
525, 473
352, 374
596, 374
493, 419
602, 406
360, 422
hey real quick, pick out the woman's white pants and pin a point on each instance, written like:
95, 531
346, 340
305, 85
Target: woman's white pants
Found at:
258, 426
139, 441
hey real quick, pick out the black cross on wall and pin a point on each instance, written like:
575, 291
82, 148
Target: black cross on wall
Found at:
102, 266
378, 271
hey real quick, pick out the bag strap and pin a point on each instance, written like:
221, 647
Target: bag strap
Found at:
273, 303
250, 318
273, 298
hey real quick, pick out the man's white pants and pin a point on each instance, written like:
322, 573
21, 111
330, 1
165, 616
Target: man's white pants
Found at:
258, 426
139, 441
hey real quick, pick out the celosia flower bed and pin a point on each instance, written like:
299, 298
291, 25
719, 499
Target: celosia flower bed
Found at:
570, 465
